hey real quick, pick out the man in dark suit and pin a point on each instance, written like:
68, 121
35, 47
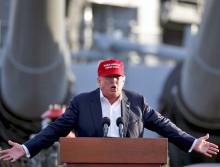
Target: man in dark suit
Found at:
85, 112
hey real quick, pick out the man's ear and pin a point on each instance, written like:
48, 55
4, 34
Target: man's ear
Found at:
98, 81
124, 79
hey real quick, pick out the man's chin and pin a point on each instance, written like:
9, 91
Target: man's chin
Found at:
115, 94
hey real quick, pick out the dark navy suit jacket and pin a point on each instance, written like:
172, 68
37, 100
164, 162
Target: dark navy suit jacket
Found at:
84, 115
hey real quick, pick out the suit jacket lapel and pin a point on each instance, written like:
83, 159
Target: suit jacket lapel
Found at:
125, 112
96, 110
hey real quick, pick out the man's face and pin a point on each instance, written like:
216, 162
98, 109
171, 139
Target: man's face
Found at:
111, 85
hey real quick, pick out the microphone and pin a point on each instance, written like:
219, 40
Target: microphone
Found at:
120, 124
105, 124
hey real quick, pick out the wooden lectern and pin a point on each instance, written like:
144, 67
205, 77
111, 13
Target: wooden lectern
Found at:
113, 152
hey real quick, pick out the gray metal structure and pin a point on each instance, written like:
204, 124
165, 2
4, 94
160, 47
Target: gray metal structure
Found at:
35, 69
35, 58
201, 72
191, 94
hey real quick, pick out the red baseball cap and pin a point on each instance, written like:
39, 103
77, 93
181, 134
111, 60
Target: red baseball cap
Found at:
111, 66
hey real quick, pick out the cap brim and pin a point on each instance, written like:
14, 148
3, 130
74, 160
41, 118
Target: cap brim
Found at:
105, 75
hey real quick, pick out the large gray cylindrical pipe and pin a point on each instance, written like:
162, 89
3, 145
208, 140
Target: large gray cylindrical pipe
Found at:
34, 68
200, 84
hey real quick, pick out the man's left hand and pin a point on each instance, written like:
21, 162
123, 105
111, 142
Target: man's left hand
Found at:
204, 147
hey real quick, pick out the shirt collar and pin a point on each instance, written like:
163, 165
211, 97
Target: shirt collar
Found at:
103, 97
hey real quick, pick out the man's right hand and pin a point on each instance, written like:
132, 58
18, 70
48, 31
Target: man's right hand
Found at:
12, 154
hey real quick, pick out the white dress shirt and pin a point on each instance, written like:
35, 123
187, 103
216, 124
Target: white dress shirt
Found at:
113, 112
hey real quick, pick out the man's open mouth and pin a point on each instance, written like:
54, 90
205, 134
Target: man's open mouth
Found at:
113, 88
